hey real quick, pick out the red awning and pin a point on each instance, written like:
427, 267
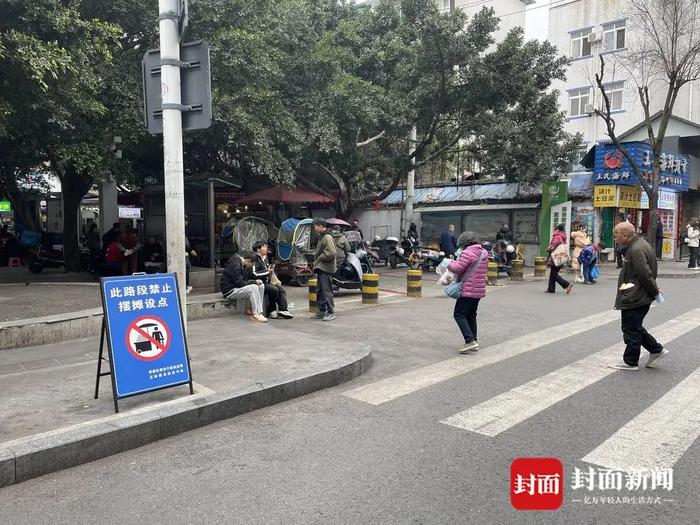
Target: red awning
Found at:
282, 194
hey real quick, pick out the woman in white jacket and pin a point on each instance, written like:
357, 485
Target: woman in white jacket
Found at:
693, 236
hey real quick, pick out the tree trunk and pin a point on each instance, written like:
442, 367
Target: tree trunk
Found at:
653, 217
19, 204
74, 186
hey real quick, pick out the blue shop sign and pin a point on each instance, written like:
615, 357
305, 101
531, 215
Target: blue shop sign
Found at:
611, 166
145, 333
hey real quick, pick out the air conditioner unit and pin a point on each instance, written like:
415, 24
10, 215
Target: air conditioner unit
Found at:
594, 37
588, 108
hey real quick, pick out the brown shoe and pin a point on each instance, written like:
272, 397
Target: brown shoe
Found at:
568, 290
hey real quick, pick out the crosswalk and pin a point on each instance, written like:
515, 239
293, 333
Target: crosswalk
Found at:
665, 430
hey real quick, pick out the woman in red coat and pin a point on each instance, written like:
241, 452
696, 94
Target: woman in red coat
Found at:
558, 239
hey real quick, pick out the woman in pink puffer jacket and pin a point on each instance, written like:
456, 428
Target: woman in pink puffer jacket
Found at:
473, 288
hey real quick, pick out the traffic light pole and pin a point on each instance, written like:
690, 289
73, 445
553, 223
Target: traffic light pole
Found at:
172, 144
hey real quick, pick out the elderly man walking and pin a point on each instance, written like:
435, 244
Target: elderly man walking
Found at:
636, 290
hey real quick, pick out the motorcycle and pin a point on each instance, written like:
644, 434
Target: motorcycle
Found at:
408, 253
503, 254
431, 259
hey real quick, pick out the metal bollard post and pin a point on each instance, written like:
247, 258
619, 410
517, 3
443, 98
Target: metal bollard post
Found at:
370, 288
540, 266
312, 295
414, 283
516, 271
492, 273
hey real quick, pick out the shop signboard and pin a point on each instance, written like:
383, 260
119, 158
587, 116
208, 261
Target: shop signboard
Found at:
5, 206
611, 166
667, 201
611, 196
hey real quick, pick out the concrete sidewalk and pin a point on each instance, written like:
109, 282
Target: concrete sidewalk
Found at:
51, 421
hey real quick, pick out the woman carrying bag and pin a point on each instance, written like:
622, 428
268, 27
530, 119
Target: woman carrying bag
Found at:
469, 287
558, 257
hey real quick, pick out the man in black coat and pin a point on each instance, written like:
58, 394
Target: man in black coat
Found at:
636, 290
237, 284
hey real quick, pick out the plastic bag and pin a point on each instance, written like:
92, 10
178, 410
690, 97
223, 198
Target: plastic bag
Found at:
446, 278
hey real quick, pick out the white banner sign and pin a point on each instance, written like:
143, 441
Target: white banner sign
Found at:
667, 200
129, 213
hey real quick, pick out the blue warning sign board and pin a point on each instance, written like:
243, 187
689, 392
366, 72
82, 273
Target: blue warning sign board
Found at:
145, 333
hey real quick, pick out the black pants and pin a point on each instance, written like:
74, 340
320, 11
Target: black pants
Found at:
693, 262
618, 256
635, 336
659, 247
276, 298
465, 317
554, 278
324, 292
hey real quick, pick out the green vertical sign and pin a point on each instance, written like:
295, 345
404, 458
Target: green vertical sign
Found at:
5, 206
553, 192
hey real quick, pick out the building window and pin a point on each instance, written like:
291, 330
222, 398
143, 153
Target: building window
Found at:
446, 5
614, 92
580, 46
614, 36
575, 165
578, 100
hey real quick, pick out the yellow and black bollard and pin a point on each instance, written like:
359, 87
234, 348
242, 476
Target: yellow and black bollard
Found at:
414, 283
313, 307
540, 266
492, 273
516, 270
370, 288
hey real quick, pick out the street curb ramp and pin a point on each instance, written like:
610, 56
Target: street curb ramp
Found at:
40, 454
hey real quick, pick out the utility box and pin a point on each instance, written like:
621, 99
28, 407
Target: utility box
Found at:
195, 80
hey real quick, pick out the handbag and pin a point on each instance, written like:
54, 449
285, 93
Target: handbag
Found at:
560, 255
454, 290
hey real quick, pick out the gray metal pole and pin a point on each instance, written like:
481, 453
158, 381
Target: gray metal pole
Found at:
172, 145
410, 183
212, 219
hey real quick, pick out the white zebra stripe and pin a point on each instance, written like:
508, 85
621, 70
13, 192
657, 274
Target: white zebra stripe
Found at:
510, 408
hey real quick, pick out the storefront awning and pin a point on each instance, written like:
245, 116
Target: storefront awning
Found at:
483, 207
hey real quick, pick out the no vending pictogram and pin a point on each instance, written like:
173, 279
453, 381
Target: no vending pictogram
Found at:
148, 338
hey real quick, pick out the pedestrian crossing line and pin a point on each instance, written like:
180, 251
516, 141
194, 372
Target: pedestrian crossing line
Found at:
659, 436
408, 382
510, 408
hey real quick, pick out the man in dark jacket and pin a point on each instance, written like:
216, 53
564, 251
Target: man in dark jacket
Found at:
236, 284
276, 295
659, 238
448, 243
636, 290
111, 235
324, 267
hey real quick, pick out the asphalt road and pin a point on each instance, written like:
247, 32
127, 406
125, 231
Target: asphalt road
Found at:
433, 446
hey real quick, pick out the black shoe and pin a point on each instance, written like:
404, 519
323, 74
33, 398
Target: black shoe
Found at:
549, 291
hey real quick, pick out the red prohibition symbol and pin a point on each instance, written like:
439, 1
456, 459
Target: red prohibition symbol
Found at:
148, 338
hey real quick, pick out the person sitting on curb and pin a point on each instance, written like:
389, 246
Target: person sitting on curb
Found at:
235, 284
276, 295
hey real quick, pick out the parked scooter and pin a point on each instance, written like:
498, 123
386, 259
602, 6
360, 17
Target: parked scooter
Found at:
349, 276
41, 257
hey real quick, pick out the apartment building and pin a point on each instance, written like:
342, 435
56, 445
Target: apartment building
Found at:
585, 30
511, 12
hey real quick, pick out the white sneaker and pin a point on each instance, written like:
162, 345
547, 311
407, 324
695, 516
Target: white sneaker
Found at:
655, 358
285, 314
259, 318
623, 366
469, 347
188, 290
273, 315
